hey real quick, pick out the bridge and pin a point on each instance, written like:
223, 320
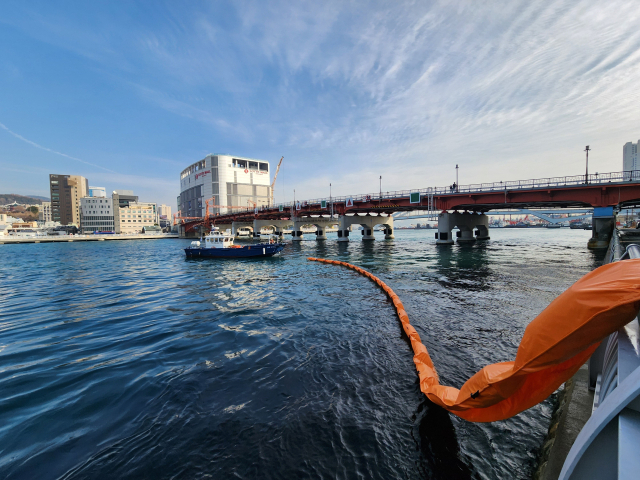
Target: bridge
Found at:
464, 207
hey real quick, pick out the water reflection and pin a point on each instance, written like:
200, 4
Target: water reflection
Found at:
438, 443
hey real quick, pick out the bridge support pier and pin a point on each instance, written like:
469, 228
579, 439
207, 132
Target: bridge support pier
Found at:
367, 233
343, 229
320, 234
277, 225
368, 223
604, 221
466, 223
296, 233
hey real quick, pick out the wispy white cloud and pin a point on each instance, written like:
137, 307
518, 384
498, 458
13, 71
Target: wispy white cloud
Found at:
46, 149
349, 90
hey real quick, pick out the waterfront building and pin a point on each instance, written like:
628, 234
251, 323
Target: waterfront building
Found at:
121, 199
66, 192
97, 215
44, 212
630, 156
231, 181
133, 217
99, 192
164, 212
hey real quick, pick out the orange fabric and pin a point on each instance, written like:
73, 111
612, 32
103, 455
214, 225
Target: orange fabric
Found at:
554, 345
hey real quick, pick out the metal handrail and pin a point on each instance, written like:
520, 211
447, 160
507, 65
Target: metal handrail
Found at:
574, 180
612, 178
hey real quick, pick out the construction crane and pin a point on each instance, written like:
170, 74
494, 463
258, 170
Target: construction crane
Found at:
274, 179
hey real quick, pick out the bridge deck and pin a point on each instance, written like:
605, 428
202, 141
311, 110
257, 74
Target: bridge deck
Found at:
598, 190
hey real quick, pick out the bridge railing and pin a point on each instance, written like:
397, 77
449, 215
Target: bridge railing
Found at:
506, 186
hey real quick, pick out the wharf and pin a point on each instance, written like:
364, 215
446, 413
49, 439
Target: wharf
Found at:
6, 240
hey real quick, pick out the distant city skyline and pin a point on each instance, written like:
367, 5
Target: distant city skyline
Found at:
129, 96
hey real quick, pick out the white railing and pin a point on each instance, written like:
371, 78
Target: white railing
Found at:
606, 447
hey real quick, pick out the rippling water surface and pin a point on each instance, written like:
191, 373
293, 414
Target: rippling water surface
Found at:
124, 360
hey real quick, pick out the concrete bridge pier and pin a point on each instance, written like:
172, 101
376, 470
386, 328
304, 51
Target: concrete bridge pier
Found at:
466, 223
296, 234
603, 222
465, 234
235, 226
343, 229
367, 233
368, 223
320, 233
443, 236
482, 231
278, 226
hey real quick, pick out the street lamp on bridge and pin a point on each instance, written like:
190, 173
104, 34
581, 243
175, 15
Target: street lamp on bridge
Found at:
586, 175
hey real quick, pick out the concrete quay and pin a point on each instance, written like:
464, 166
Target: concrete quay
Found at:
8, 240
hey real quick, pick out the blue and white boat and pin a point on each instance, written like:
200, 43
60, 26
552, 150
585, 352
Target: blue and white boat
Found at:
220, 245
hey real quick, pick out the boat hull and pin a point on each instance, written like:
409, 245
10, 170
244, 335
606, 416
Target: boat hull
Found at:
248, 251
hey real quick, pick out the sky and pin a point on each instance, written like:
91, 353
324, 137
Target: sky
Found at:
129, 93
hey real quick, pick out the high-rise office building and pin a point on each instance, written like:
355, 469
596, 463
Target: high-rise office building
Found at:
66, 192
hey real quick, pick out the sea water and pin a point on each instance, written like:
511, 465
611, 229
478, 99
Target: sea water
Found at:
123, 359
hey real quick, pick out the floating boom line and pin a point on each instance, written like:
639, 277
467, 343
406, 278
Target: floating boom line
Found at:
554, 345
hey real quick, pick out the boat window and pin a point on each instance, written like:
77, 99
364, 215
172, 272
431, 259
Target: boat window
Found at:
253, 165
239, 163
264, 167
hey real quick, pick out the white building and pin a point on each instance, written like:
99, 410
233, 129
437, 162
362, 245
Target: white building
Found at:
133, 217
231, 181
164, 211
44, 212
97, 215
98, 192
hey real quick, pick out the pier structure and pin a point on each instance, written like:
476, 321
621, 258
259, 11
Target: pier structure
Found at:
467, 223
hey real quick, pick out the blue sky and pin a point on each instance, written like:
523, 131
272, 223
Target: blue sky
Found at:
129, 93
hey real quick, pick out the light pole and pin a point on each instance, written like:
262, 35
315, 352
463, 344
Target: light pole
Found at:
380, 187
586, 175
457, 177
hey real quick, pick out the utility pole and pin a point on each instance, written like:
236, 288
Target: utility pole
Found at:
380, 187
457, 184
586, 175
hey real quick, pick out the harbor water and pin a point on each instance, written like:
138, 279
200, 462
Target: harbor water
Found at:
126, 360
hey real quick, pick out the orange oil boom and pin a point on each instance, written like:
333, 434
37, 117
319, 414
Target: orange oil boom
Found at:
554, 345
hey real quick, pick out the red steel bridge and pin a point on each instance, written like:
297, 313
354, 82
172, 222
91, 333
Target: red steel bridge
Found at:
618, 189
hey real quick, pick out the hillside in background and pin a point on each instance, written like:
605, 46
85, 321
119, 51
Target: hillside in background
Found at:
6, 198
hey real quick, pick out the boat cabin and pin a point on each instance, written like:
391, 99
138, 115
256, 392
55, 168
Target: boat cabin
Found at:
216, 239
